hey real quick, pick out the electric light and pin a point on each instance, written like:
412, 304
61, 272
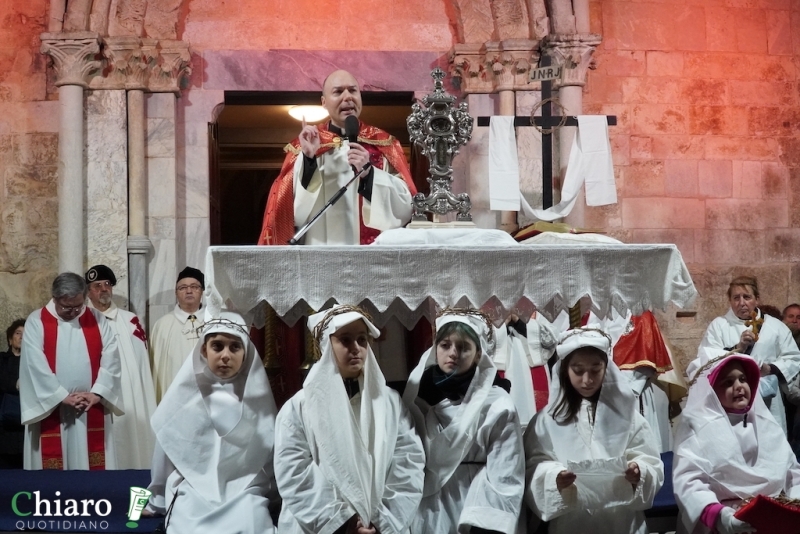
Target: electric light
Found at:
311, 113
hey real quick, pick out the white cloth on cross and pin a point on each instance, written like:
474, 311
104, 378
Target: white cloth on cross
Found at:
504, 193
590, 163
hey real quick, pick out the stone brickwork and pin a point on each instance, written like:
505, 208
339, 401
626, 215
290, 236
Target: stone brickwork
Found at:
28, 164
706, 150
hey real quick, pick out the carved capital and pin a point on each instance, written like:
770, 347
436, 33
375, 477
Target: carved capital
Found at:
173, 69
74, 56
130, 60
575, 53
510, 63
467, 68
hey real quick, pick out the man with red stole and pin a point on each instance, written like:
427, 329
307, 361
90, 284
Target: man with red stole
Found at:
320, 161
69, 382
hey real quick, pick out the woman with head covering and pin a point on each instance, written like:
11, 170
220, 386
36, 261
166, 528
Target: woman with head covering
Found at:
469, 426
348, 458
592, 461
745, 330
728, 447
212, 467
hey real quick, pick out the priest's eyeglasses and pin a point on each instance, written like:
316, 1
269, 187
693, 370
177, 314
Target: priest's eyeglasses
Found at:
69, 309
193, 287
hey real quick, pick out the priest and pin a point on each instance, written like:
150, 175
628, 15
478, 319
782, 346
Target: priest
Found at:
133, 437
176, 334
69, 382
320, 161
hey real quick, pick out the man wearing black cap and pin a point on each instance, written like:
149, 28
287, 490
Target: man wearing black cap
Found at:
175, 335
133, 437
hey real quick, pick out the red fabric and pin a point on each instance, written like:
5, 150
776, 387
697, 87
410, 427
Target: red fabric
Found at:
769, 516
138, 331
52, 452
643, 346
541, 390
278, 225
710, 514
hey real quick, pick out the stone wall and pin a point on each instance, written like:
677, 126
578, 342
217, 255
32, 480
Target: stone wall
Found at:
28, 164
706, 147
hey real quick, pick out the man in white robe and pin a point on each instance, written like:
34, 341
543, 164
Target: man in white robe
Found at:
321, 161
347, 454
133, 437
69, 382
773, 348
175, 335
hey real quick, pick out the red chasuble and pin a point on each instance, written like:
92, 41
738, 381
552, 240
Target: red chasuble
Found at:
52, 454
278, 226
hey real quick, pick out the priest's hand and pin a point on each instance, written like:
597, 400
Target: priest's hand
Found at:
747, 339
727, 524
633, 474
357, 156
93, 399
565, 479
309, 140
76, 401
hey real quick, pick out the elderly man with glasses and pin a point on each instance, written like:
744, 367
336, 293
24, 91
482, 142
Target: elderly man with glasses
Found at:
133, 438
69, 381
175, 335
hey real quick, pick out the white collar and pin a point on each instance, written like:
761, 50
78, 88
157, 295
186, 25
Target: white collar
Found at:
110, 313
183, 316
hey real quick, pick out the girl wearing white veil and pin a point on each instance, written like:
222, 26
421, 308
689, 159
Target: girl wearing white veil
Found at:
469, 426
728, 447
349, 459
592, 461
212, 466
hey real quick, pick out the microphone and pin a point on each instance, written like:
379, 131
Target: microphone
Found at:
351, 128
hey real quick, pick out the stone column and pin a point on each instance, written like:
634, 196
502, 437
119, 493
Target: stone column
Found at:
74, 61
509, 61
131, 60
575, 54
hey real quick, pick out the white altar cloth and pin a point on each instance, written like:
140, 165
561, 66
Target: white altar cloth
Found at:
403, 281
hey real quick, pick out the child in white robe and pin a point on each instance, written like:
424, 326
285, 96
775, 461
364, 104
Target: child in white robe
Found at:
212, 466
474, 474
592, 461
348, 459
728, 447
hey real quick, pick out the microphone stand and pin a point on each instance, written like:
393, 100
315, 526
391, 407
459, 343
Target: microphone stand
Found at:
295, 240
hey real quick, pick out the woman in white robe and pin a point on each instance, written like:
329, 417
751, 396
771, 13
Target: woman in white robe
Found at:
773, 349
212, 467
348, 457
474, 471
724, 455
592, 461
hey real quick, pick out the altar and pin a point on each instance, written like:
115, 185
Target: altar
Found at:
405, 280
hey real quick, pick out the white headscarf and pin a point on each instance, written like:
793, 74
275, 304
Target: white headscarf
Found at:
615, 405
355, 450
218, 432
706, 437
446, 449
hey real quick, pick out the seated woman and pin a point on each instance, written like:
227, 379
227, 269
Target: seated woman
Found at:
728, 447
592, 461
348, 458
212, 466
469, 426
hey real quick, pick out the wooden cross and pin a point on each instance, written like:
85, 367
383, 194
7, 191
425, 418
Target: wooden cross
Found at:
755, 323
549, 123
